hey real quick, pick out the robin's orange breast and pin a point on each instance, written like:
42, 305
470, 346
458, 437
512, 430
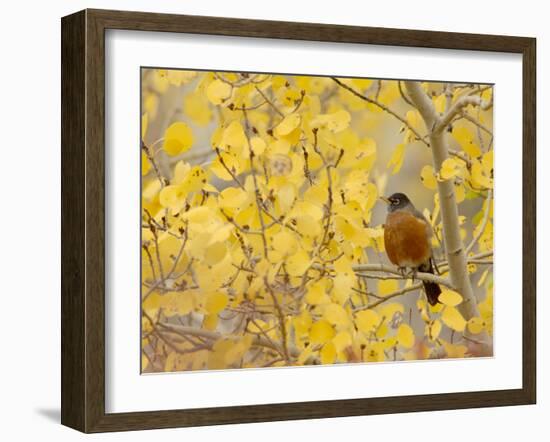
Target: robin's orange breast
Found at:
407, 239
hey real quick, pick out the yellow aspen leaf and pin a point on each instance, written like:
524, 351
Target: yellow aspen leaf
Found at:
472, 149
170, 363
144, 125
258, 145
302, 323
216, 302
316, 294
365, 154
307, 226
449, 169
181, 170
335, 122
178, 138
487, 94
285, 197
427, 177
150, 105
218, 92
452, 318
285, 243
382, 330
195, 105
342, 340
298, 263
233, 136
321, 332
209, 188
405, 336
450, 298
172, 303
486, 310
145, 164
316, 194
487, 162
439, 103
387, 286
336, 314
210, 322
171, 197
194, 180
199, 215
454, 350
465, 138
215, 252
343, 265
328, 353
436, 308
388, 310
434, 329
287, 125
233, 197
476, 325
279, 147
479, 176
235, 352
343, 284
389, 93
397, 158
374, 353
420, 304
339, 121
361, 83
179, 77
345, 228
460, 192
307, 208
144, 362
414, 119
217, 357
367, 320
304, 355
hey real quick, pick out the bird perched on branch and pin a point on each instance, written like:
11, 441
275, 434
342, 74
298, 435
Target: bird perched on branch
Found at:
407, 239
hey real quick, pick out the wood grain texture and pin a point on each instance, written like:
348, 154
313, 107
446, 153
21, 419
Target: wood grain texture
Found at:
83, 218
73, 128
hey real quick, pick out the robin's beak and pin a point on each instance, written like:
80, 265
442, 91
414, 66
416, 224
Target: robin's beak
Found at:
386, 200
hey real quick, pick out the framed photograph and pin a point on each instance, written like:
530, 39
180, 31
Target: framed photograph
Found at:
267, 220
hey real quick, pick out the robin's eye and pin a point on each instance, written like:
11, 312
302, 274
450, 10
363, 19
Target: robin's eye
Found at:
395, 202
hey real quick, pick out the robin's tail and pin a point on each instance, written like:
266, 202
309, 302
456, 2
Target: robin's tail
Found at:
431, 288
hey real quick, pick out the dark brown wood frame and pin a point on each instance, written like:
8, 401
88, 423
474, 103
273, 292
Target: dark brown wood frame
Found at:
83, 216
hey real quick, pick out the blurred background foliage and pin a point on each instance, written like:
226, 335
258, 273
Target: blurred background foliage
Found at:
260, 199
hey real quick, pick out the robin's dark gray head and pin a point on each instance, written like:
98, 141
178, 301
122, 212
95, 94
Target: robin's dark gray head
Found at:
397, 201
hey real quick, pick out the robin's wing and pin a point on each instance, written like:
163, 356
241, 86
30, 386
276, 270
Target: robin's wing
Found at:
429, 231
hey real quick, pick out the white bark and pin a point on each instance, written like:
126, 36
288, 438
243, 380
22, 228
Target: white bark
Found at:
456, 255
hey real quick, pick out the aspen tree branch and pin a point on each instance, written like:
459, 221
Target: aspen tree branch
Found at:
396, 274
215, 336
456, 108
456, 253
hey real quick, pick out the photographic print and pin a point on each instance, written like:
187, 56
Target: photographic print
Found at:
294, 220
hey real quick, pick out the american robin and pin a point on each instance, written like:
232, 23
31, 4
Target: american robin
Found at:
407, 238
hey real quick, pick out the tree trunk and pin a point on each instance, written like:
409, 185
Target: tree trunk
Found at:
456, 256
